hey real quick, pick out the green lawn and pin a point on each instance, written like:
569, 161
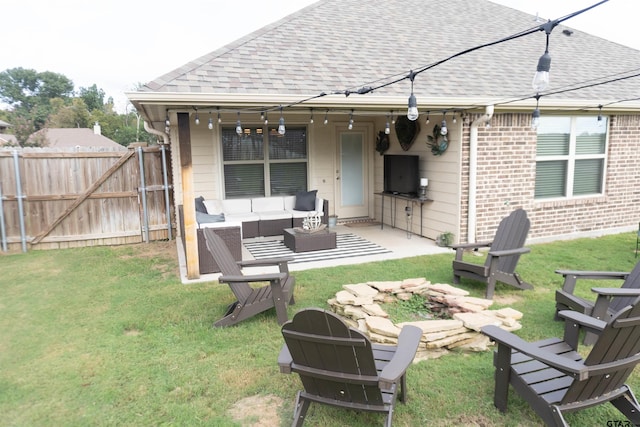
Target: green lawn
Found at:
109, 336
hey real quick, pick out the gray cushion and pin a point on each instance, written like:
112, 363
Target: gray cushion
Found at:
200, 207
306, 200
204, 218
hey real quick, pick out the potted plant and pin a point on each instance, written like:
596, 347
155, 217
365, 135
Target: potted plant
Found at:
445, 239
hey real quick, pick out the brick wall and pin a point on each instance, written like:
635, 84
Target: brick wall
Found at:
506, 181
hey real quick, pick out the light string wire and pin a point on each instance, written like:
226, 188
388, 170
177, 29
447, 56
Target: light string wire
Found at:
367, 88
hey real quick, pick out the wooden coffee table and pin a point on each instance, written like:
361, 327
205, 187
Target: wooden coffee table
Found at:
305, 242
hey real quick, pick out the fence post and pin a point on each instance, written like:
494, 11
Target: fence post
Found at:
163, 149
143, 195
3, 230
20, 197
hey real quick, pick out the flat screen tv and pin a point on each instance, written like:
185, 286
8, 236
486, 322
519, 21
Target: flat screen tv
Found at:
401, 174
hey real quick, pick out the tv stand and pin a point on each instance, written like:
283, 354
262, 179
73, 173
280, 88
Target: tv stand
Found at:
413, 199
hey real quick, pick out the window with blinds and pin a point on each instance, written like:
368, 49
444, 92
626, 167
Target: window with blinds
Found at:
261, 162
570, 156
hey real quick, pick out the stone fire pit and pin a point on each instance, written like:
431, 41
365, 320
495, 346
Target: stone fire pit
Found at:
362, 306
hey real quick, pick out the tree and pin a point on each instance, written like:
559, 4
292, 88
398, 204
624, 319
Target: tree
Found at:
93, 97
75, 115
27, 89
40, 100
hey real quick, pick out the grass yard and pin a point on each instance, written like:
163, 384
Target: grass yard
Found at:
109, 336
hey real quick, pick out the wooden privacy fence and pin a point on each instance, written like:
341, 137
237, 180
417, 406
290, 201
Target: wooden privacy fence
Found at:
57, 198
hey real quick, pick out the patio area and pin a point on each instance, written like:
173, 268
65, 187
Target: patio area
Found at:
397, 243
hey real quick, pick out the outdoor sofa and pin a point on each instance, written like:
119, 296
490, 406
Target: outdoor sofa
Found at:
237, 219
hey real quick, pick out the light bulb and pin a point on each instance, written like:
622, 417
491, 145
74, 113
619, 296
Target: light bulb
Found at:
535, 119
210, 125
238, 128
387, 129
541, 77
281, 128
167, 123
412, 111
266, 119
443, 128
197, 119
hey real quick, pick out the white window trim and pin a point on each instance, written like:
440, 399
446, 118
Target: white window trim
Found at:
571, 159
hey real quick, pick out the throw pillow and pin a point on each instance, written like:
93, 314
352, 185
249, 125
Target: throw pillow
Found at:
204, 218
200, 207
306, 200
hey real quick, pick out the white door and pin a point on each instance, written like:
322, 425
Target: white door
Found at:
352, 174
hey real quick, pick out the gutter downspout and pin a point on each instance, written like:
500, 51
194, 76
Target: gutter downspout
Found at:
165, 144
165, 137
473, 171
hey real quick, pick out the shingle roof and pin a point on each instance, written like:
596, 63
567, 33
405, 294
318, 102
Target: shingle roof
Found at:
76, 137
347, 44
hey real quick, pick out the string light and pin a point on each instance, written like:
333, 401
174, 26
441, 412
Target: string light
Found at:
535, 116
351, 120
239, 125
387, 128
281, 128
167, 122
311, 118
541, 77
544, 64
412, 110
600, 120
443, 126
197, 120
326, 117
455, 119
210, 125
266, 118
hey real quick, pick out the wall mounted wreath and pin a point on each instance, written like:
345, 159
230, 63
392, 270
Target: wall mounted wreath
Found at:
437, 142
382, 142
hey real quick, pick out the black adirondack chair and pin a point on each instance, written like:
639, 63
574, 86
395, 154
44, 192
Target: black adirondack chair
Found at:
554, 379
251, 301
504, 252
608, 301
339, 366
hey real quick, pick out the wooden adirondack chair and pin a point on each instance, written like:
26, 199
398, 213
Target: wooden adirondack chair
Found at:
251, 301
608, 300
554, 379
503, 256
339, 366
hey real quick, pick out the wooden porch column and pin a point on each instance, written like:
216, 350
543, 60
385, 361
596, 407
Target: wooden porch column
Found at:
189, 207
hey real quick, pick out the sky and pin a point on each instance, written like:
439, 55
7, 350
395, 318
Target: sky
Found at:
119, 44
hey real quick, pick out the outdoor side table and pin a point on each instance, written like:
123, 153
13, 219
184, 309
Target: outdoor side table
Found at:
305, 242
